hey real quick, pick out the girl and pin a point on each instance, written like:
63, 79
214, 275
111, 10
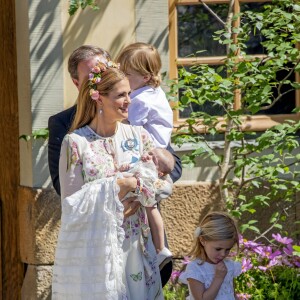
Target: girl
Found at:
210, 275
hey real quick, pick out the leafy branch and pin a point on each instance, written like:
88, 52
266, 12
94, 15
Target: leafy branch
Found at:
260, 171
74, 5
36, 134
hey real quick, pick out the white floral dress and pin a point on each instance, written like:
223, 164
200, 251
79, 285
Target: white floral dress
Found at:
205, 273
89, 191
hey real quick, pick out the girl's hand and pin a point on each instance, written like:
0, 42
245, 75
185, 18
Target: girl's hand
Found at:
221, 270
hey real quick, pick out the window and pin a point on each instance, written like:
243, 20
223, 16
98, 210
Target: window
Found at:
191, 32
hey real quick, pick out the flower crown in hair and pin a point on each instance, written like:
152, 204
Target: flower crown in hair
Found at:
96, 75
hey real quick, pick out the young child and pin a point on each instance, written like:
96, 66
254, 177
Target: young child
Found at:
149, 106
210, 275
153, 169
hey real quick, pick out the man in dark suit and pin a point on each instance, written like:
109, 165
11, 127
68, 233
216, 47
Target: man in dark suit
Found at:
80, 63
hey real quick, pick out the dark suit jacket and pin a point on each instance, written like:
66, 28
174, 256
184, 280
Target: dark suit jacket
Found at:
59, 126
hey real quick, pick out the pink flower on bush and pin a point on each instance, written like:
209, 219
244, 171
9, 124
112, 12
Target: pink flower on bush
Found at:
246, 264
266, 252
250, 244
275, 254
262, 268
282, 240
175, 275
297, 264
243, 296
288, 250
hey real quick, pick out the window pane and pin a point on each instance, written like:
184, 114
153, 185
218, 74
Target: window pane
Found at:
196, 26
288, 102
208, 107
255, 38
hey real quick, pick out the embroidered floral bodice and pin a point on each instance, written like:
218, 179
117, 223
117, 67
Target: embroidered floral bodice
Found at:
88, 172
90, 156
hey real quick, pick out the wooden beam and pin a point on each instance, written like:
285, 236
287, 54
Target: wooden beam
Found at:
11, 266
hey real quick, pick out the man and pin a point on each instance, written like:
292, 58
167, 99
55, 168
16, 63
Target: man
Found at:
81, 61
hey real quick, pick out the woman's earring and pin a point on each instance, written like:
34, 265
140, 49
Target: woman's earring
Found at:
100, 111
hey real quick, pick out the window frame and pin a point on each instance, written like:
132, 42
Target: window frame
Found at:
252, 123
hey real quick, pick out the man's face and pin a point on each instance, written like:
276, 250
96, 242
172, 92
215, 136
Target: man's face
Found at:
84, 68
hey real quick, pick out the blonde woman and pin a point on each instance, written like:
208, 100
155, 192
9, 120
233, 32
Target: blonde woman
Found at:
100, 254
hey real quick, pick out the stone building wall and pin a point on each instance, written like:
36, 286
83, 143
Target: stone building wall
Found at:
39, 219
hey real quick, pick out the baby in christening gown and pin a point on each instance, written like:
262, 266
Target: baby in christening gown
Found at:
154, 185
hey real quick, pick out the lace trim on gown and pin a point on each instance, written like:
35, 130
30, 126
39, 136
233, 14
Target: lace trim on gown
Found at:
89, 256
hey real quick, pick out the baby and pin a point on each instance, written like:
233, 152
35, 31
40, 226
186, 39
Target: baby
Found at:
153, 170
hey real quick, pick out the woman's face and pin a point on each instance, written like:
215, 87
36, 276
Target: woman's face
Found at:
115, 104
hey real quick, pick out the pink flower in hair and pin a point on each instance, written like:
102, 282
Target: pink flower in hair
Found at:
94, 94
95, 77
96, 69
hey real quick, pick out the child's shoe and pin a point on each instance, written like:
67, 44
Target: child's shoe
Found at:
163, 257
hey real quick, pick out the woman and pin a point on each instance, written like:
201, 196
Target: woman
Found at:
101, 255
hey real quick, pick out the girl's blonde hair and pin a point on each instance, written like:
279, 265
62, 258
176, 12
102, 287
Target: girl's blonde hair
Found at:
142, 58
86, 106
215, 226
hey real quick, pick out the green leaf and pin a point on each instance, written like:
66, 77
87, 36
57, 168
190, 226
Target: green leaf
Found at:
74, 5
297, 250
25, 137
279, 226
42, 133
259, 25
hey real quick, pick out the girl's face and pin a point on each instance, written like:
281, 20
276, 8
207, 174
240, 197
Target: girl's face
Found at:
136, 80
115, 104
216, 251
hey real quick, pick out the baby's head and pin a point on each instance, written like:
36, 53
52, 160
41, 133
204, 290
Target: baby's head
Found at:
216, 234
163, 160
141, 59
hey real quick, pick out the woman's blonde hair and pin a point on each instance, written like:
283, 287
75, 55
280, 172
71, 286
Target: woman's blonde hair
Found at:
142, 58
215, 226
86, 106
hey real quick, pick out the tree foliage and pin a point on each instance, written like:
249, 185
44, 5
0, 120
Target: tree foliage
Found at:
265, 163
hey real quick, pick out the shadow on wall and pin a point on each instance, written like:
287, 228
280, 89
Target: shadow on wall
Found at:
46, 58
79, 26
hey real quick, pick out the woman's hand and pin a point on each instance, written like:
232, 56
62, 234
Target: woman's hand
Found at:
131, 205
126, 185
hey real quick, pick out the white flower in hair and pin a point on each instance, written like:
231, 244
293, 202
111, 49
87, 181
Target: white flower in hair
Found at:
197, 232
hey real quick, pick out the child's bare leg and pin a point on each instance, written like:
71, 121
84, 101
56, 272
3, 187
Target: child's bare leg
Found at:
157, 228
